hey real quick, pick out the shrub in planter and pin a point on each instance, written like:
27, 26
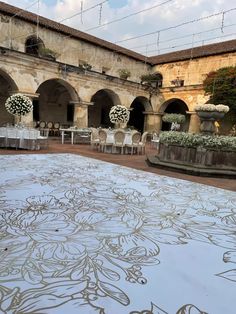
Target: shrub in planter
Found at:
211, 107
48, 53
198, 140
85, 66
173, 118
124, 73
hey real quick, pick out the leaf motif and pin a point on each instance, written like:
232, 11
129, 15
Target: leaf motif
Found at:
157, 310
49, 266
230, 220
138, 251
188, 309
110, 274
31, 275
226, 241
140, 242
114, 292
229, 257
80, 270
229, 275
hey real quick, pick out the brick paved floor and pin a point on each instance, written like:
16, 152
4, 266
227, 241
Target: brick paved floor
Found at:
135, 161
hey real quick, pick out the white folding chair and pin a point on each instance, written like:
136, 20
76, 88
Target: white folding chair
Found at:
12, 139
119, 138
136, 136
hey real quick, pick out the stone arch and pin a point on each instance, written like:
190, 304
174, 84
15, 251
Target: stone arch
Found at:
8, 87
56, 102
175, 105
33, 44
139, 105
98, 113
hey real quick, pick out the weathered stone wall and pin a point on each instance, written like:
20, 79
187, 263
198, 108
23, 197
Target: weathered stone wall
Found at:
13, 34
193, 71
27, 73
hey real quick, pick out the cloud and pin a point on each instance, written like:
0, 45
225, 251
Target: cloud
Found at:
166, 16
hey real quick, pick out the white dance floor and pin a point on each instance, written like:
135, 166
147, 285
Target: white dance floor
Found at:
82, 236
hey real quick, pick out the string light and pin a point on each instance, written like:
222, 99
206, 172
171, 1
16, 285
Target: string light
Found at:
128, 16
222, 23
100, 14
82, 11
37, 20
158, 42
186, 44
176, 26
181, 37
216, 14
12, 17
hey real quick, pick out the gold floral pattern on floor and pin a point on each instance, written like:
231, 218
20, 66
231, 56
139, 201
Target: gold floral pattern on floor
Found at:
77, 234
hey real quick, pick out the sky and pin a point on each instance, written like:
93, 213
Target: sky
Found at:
161, 18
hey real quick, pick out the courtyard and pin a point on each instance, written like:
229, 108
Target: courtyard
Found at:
87, 231
100, 212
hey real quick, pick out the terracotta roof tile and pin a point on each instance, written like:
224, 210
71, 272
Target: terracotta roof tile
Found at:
203, 51
31, 17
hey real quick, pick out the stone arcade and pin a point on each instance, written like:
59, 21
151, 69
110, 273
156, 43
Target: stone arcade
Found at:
73, 78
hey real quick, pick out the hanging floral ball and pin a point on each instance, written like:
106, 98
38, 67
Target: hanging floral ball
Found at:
18, 105
119, 114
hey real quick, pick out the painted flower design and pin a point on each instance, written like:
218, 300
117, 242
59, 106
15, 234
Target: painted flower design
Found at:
86, 241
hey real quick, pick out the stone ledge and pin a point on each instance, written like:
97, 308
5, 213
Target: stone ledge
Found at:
195, 170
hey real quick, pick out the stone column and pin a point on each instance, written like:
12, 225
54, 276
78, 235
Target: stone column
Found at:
153, 121
28, 119
81, 113
194, 125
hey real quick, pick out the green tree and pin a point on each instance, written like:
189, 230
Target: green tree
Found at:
220, 85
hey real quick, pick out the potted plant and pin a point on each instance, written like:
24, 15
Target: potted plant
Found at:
47, 53
85, 66
175, 119
177, 82
124, 73
208, 114
151, 79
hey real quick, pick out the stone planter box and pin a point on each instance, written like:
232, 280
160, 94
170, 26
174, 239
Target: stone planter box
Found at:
197, 156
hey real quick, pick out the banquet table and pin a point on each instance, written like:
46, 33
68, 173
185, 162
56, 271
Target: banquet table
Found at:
73, 131
23, 135
111, 138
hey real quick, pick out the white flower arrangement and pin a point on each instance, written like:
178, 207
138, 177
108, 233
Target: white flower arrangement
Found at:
18, 105
198, 140
211, 107
222, 108
205, 107
119, 114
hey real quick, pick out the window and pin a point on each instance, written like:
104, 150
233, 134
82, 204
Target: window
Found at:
177, 82
33, 45
159, 79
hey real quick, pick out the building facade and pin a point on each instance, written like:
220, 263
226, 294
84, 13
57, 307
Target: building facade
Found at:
74, 78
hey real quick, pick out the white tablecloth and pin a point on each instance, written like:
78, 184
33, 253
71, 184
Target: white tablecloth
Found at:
111, 139
24, 135
73, 131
